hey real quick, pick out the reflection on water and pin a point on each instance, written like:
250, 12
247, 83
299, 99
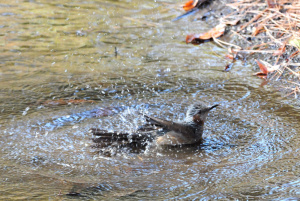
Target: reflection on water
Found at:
66, 50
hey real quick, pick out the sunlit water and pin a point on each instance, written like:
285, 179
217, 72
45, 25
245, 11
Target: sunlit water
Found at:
66, 50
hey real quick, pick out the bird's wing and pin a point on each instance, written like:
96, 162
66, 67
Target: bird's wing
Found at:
172, 126
148, 127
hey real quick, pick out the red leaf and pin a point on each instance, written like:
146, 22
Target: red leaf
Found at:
262, 67
213, 33
228, 67
265, 68
188, 5
229, 56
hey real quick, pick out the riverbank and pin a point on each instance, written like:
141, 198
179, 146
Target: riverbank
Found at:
263, 33
269, 31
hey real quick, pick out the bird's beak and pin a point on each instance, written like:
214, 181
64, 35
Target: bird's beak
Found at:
212, 107
206, 110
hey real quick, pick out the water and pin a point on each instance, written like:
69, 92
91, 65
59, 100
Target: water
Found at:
66, 50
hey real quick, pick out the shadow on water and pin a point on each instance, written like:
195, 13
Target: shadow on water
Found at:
66, 50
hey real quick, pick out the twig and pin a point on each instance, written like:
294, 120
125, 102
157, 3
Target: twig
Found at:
225, 43
253, 19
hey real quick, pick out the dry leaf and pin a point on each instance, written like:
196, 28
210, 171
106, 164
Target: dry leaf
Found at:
228, 67
188, 5
232, 23
229, 56
261, 75
213, 33
265, 68
232, 53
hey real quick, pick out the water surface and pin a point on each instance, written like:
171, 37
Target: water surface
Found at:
67, 50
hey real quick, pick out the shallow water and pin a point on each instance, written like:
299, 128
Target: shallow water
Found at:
66, 50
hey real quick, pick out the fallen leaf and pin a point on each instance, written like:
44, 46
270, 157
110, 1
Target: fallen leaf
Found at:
232, 23
228, 67
232, 53
261, 75
229, 56
262, 67
188, 5
191, 7
233, 57
265, 68
213, 33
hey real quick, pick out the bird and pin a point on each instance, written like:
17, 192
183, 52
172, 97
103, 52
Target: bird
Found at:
159, 131
192, 7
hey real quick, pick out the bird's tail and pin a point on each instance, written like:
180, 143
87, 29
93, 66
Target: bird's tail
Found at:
106, 138
158, 123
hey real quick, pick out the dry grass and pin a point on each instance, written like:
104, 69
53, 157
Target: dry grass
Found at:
276, 23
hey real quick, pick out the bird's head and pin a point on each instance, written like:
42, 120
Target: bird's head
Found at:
198, 112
